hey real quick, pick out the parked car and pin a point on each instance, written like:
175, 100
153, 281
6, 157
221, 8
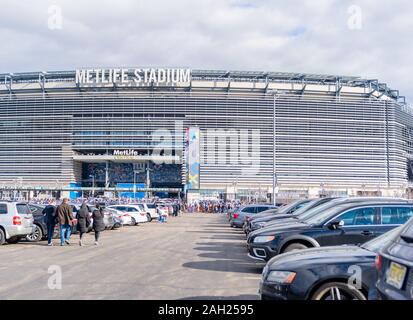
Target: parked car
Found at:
151, 209
304, 213
342, 224
124, 218
238, 216
395, 266
150, 214
16, 221
303, 205
117, 221
108, 219
323, 273
137, 215
40, 227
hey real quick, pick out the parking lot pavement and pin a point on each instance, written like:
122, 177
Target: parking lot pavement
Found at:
194, 256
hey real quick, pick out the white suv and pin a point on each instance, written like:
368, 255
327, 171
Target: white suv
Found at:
149, 208
16, 221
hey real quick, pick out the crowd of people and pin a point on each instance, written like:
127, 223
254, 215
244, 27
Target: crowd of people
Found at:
195, 206
212, 206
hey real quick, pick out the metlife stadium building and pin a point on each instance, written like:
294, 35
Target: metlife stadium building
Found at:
203, 133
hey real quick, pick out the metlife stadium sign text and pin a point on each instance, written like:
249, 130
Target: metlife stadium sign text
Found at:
133, 77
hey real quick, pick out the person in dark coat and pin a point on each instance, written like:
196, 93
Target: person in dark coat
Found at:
83, 221
65, 218
98, 224
50, 219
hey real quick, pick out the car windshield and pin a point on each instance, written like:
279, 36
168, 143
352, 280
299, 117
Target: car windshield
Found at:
320, 216
288, 207
306, 214
151, 206
304, 207
377, 243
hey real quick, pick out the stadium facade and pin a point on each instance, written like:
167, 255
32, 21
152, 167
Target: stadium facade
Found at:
111, 128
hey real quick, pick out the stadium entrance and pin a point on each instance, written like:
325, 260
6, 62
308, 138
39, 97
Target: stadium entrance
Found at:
130, 171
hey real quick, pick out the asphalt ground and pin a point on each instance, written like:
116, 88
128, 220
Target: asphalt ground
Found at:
193, 256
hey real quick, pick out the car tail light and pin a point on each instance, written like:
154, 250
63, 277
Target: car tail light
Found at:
235, 215
378, 262
142, 214
17, 221
125, 215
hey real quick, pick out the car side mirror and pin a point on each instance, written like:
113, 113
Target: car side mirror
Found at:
336, 224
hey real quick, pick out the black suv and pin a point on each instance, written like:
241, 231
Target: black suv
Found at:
40, 228
395, 266
353, 223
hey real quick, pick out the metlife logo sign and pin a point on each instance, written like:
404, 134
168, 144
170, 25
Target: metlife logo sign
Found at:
133, 77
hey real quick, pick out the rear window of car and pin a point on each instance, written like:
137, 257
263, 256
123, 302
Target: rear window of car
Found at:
249, 210
3, 208
396, 215
151, 206
23, 209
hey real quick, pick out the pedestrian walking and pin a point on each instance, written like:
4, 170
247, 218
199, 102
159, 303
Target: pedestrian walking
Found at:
83, 221
50, 219
98, 224
65, 218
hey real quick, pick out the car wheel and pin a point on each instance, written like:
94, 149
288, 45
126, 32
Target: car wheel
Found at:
2, 237
337, 291
133, 222
148, 217
13, 240
294, 247
36, 236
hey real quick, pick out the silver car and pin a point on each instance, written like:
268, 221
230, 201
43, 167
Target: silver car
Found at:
16, 221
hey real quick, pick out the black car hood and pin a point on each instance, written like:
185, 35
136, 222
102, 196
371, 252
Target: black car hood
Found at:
321, 255
272, 217
263, 215
288, 225
282, 218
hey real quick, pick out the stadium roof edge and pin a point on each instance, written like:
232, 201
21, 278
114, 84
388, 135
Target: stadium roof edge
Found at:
222, 75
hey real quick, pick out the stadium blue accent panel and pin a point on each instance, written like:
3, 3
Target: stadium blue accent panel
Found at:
75, 194
137, 195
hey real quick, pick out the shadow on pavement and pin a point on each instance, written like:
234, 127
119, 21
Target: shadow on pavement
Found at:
229, 257
227, 236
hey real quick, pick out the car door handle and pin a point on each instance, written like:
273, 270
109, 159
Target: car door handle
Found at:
366, 233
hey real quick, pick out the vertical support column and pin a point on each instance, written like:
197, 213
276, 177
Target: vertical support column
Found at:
107, 175
387, 144
148, 181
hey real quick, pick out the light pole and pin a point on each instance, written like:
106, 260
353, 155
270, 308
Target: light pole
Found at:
134, 184
93, 184
148, 180
274, 174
